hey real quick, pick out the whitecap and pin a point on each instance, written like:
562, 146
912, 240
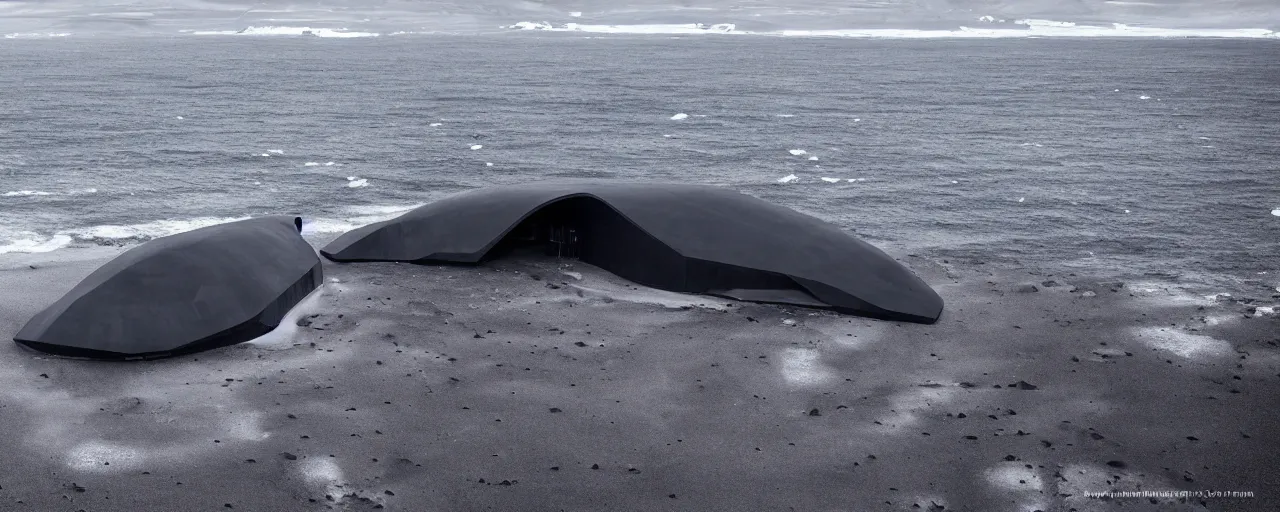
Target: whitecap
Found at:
679, 116
814, 158
434, 124
1144, 97
276, 151
152, 229
488, 164
831, 180
287, 31
788, 178
685, 28
357, 183
35, 35
329, 164
476, 146
575, 14
797, 152
24, 193
28, 245
1276, 212
311, 164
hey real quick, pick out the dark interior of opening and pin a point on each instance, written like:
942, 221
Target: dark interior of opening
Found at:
586, 229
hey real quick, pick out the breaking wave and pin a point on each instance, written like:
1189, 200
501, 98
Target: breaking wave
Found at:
991, 29
286, 31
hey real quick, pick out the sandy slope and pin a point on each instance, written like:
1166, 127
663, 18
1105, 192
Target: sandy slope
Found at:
515, 386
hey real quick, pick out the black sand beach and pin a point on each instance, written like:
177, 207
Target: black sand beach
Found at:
528, 385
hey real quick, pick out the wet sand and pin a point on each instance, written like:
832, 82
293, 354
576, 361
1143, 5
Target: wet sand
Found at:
527, 385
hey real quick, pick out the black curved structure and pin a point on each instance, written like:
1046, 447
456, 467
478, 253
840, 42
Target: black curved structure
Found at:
194, 291
686, 238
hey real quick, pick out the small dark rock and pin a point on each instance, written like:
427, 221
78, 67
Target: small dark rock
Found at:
1010, 458
595, 466
555, 409
289, 456
1024, 385
477, 336
815, 412
1117, 464
579, 344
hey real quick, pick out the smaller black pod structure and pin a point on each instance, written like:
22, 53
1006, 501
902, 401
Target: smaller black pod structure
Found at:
685, 238
194, 291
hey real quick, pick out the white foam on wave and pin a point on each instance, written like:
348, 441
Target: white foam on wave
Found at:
680, 116
797, 152
477, 146
287, 31
788, 178
1144, 97
25, 193
433, 125
36, 35
1276, 212
355, 182
575, 14
360, 215
813, 158
35, 245
832, 180
1038, 29
683, 28
151, 229
311, 164
276, 151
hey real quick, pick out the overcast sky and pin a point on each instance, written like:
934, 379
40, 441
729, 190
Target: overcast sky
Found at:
463, 15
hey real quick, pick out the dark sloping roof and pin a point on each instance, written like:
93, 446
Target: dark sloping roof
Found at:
700, 223
193, 291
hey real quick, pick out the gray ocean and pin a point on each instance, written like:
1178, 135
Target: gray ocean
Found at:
1134, 159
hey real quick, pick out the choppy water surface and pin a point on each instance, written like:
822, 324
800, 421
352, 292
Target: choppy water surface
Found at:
1122, 157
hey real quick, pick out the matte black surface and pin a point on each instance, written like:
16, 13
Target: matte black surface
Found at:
184, 293
688, 238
